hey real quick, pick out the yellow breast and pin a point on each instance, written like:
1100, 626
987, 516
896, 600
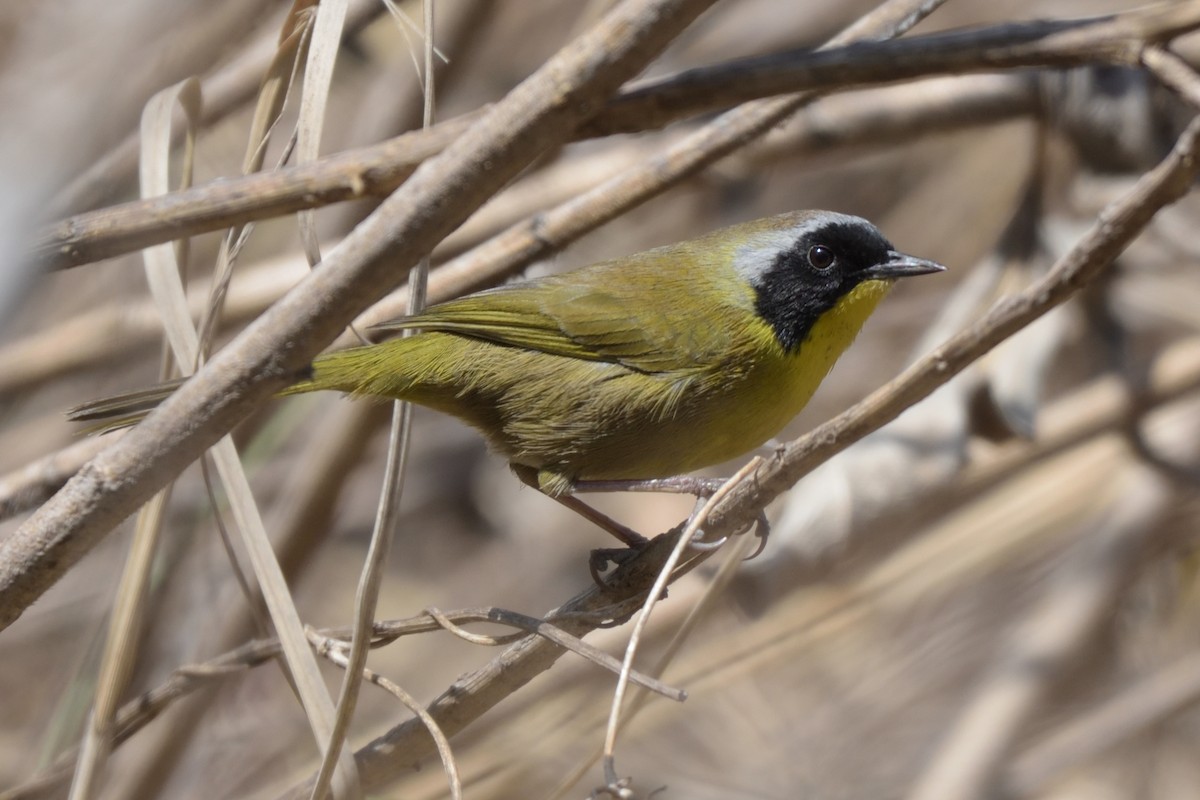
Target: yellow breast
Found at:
789, 379
749, 402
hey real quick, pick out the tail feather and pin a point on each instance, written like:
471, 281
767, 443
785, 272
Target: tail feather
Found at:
122, 410
359, 371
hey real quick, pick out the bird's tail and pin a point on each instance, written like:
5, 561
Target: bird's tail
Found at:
122, 410
359, 370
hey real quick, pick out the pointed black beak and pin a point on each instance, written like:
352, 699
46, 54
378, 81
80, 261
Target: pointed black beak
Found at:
899, 265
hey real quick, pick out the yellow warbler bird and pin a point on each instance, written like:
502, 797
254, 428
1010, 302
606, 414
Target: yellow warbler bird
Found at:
643, 367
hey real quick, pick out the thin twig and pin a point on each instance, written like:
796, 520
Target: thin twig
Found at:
189, 678
450, 626
337, 656
690, 532
387, 518
715, 588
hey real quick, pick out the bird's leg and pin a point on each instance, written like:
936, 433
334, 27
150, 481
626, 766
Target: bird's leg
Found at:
629, 537
701, 487
560, 490
601, 557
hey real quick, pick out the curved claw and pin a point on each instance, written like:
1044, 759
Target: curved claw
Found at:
762, 531
705, 547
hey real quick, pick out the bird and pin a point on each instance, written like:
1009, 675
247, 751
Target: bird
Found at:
637, 369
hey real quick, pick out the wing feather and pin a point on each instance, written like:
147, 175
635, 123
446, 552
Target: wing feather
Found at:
596, 314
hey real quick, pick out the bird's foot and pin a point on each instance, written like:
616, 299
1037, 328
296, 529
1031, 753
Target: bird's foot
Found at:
602, 559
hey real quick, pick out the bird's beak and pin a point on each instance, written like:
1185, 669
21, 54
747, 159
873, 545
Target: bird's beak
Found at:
899, 265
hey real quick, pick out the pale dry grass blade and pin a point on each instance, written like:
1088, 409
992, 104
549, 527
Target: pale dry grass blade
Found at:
162, 262
299, 525
295, 39
313, 694
120, 651
408, 701
614, 783
386, 520
163, 266
326, 37
167, 288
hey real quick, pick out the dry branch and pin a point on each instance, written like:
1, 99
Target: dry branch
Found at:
1057, 44
379, 169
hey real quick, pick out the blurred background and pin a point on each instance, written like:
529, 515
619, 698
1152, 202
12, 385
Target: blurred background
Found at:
1009, 566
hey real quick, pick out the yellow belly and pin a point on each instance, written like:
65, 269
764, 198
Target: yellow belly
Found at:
631, 432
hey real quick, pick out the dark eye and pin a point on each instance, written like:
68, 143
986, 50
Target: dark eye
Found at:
821, 257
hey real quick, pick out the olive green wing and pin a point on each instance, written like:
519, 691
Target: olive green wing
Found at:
643, 322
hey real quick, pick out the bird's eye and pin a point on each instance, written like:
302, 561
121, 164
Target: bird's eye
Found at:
821, 257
